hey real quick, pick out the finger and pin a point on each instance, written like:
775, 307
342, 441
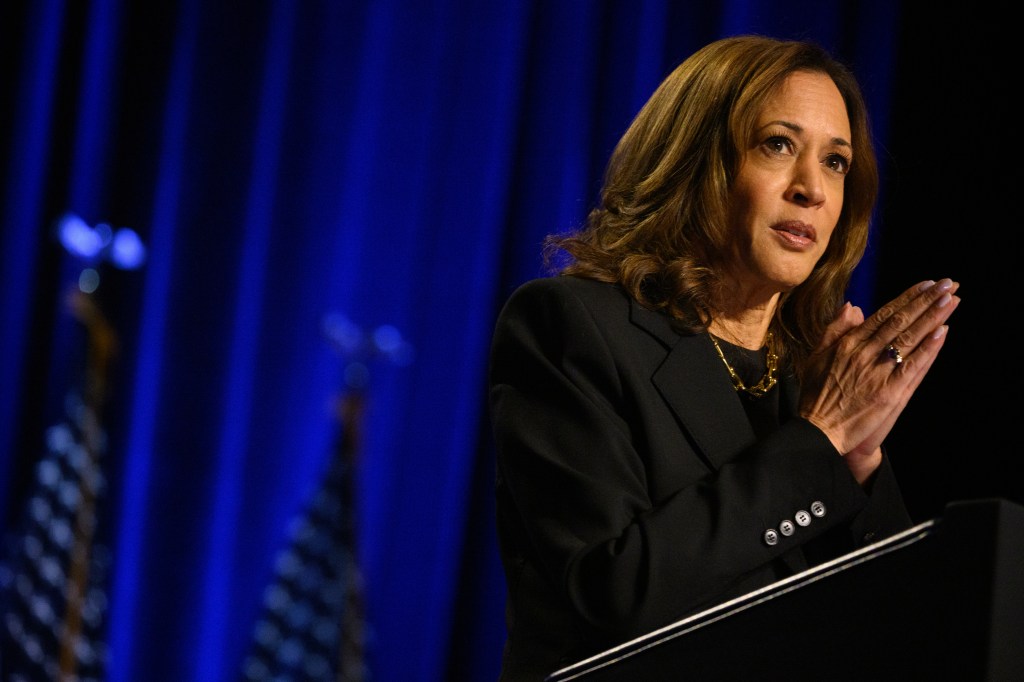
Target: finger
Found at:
900, 314
921, 294
912, 375
916, 364
930, 322
927, 323
885, 312
849, 317
871, 325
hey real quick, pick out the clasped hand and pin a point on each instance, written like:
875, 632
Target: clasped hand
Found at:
854, 389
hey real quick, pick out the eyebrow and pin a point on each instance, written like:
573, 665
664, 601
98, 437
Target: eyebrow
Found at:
838, 141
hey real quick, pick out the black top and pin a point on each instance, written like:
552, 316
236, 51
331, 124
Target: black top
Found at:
750, 366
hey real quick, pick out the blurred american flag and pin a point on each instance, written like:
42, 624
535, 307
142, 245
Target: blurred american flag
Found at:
54, 572
312, 627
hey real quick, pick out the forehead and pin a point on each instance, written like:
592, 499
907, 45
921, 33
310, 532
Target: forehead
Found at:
810, 100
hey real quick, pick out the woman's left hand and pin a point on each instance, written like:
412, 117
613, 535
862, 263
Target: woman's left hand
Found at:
854, 390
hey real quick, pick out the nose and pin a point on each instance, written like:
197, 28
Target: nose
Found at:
806, 187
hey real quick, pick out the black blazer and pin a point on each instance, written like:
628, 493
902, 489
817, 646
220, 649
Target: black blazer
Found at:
631, 489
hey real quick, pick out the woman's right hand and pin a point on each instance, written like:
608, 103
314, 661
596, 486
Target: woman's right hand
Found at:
853, 390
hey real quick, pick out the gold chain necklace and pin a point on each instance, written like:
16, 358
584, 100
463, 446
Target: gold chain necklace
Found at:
767, 381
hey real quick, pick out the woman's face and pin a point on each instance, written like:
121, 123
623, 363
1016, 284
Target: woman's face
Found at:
787, 197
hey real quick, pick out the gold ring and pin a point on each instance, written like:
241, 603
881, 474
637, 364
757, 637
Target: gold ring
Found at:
894, 353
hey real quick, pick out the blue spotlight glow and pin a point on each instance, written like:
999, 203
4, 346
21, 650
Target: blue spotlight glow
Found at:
127, 251
122, 248
78, 238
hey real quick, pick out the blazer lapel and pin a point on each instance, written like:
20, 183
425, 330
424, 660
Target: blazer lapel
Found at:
713, 416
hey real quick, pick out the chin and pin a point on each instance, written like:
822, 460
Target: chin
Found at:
790, 278
785, 284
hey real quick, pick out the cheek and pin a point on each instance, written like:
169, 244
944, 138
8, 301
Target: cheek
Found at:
826, 232
836, 201
834, 209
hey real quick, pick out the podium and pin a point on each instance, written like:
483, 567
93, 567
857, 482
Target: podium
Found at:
943, 600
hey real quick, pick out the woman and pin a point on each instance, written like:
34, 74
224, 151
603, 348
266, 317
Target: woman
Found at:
689, 411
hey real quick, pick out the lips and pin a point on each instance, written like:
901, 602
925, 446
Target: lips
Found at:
796, 232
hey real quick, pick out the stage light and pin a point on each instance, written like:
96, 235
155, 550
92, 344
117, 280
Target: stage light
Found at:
122, 247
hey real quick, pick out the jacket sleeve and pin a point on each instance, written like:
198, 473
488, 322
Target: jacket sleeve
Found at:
575, 498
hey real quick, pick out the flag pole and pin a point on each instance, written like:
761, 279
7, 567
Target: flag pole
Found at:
351, 653
102, 344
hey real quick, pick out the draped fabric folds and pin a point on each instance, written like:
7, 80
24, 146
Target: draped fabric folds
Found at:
392, 162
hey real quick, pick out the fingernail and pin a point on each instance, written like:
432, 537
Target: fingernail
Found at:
940, 332
943, 301
945, 284
925, 286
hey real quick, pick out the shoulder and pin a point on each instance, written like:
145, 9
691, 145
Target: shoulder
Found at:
577, 304
567, 290
563, 309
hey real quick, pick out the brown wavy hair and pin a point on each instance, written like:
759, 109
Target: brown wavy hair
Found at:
660, 228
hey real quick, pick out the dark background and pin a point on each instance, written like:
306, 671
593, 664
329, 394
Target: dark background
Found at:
950, 210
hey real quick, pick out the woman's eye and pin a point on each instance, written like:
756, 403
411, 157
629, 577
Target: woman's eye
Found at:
838, 163
778, 144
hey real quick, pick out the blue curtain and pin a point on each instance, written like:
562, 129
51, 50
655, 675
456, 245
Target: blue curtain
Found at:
392, 162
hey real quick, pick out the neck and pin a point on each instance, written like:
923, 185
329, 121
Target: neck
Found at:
747, 329
742, 316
